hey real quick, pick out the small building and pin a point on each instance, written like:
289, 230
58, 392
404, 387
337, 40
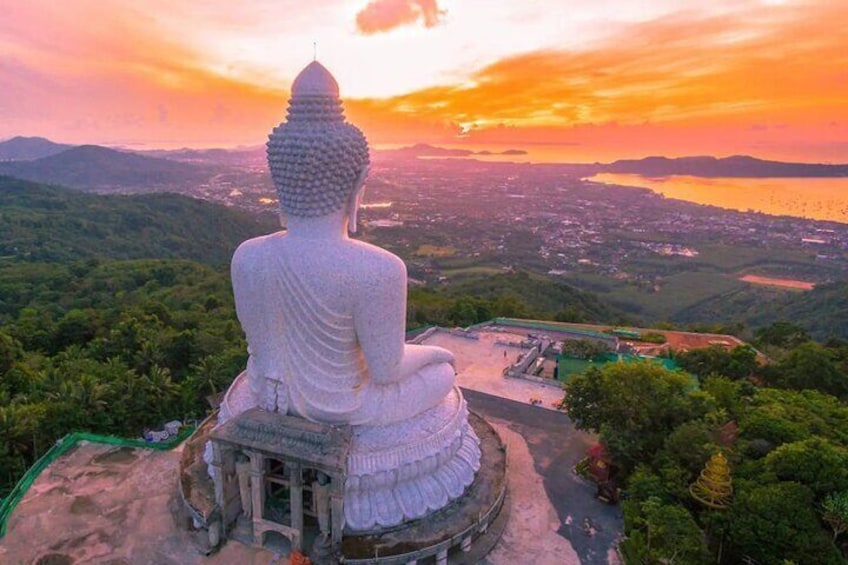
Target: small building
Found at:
278, 472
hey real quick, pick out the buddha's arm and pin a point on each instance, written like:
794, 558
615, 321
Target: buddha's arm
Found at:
249, 309
239, 274
380, 319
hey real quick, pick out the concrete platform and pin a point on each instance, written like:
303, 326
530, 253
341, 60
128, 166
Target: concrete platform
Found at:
480, 364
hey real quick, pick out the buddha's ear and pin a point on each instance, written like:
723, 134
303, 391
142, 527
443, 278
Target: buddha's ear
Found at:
355, 199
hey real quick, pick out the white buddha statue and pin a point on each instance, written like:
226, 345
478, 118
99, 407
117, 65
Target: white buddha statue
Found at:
325, 316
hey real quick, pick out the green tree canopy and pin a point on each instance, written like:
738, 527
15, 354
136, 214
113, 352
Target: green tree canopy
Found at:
737, 363
815, 462
634, 406
773, 522
811, 366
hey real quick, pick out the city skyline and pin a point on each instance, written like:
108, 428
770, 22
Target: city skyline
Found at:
593, 81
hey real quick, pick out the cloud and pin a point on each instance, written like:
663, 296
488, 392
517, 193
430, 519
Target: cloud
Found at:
99, 75
384, 15
688, 82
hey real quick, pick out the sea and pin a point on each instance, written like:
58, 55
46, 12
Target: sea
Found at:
811, 198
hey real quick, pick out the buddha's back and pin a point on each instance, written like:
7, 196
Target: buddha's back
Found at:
305, 354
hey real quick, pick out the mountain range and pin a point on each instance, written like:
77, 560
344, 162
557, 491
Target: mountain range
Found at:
29, 148
426, 150
709, 167
92, 167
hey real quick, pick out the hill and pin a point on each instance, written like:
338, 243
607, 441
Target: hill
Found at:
472, 299
238, 156
91, 167
29, 148
823, 311
736, 166
43, 223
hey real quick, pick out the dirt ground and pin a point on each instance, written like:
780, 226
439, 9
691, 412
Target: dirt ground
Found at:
110, 505
780, 283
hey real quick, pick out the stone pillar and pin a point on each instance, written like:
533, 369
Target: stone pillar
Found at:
442, 557
337, 509
296, 483
243, 474
321, 501
257, 488
218, 469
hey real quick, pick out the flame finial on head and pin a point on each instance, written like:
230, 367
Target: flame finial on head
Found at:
315, 156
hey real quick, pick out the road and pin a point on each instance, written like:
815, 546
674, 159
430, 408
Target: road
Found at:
591, 526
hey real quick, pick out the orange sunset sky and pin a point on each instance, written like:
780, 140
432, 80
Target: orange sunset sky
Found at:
586, 79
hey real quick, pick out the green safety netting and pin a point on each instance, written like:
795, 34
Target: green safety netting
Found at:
8, 504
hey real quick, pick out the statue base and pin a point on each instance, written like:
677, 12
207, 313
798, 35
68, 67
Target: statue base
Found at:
397, 472
447, 443
464, 531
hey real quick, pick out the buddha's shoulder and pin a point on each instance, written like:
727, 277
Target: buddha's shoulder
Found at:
366, 257
258, 246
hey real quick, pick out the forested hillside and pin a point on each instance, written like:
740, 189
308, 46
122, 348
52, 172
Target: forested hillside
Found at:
516, 295
41, 223
90, 340
823, 311
111, 347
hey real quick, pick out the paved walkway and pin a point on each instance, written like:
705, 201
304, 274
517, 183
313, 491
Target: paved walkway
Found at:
546, 481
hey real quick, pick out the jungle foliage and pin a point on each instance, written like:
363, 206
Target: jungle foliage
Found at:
783, 428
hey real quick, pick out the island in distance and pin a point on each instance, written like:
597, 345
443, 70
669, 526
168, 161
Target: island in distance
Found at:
737, 166
426, 150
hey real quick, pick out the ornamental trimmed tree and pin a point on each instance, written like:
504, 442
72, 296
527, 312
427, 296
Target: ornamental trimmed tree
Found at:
714, 487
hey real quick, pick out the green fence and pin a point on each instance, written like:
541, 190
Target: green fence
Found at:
553, 327
8, 504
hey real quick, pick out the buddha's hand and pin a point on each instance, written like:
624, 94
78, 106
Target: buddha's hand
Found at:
416, 357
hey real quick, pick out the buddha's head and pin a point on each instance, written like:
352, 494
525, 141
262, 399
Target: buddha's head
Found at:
318, 161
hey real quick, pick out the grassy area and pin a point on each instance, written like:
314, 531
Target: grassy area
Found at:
468, 271
428, 250
568, 366
732, 258
676, 292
